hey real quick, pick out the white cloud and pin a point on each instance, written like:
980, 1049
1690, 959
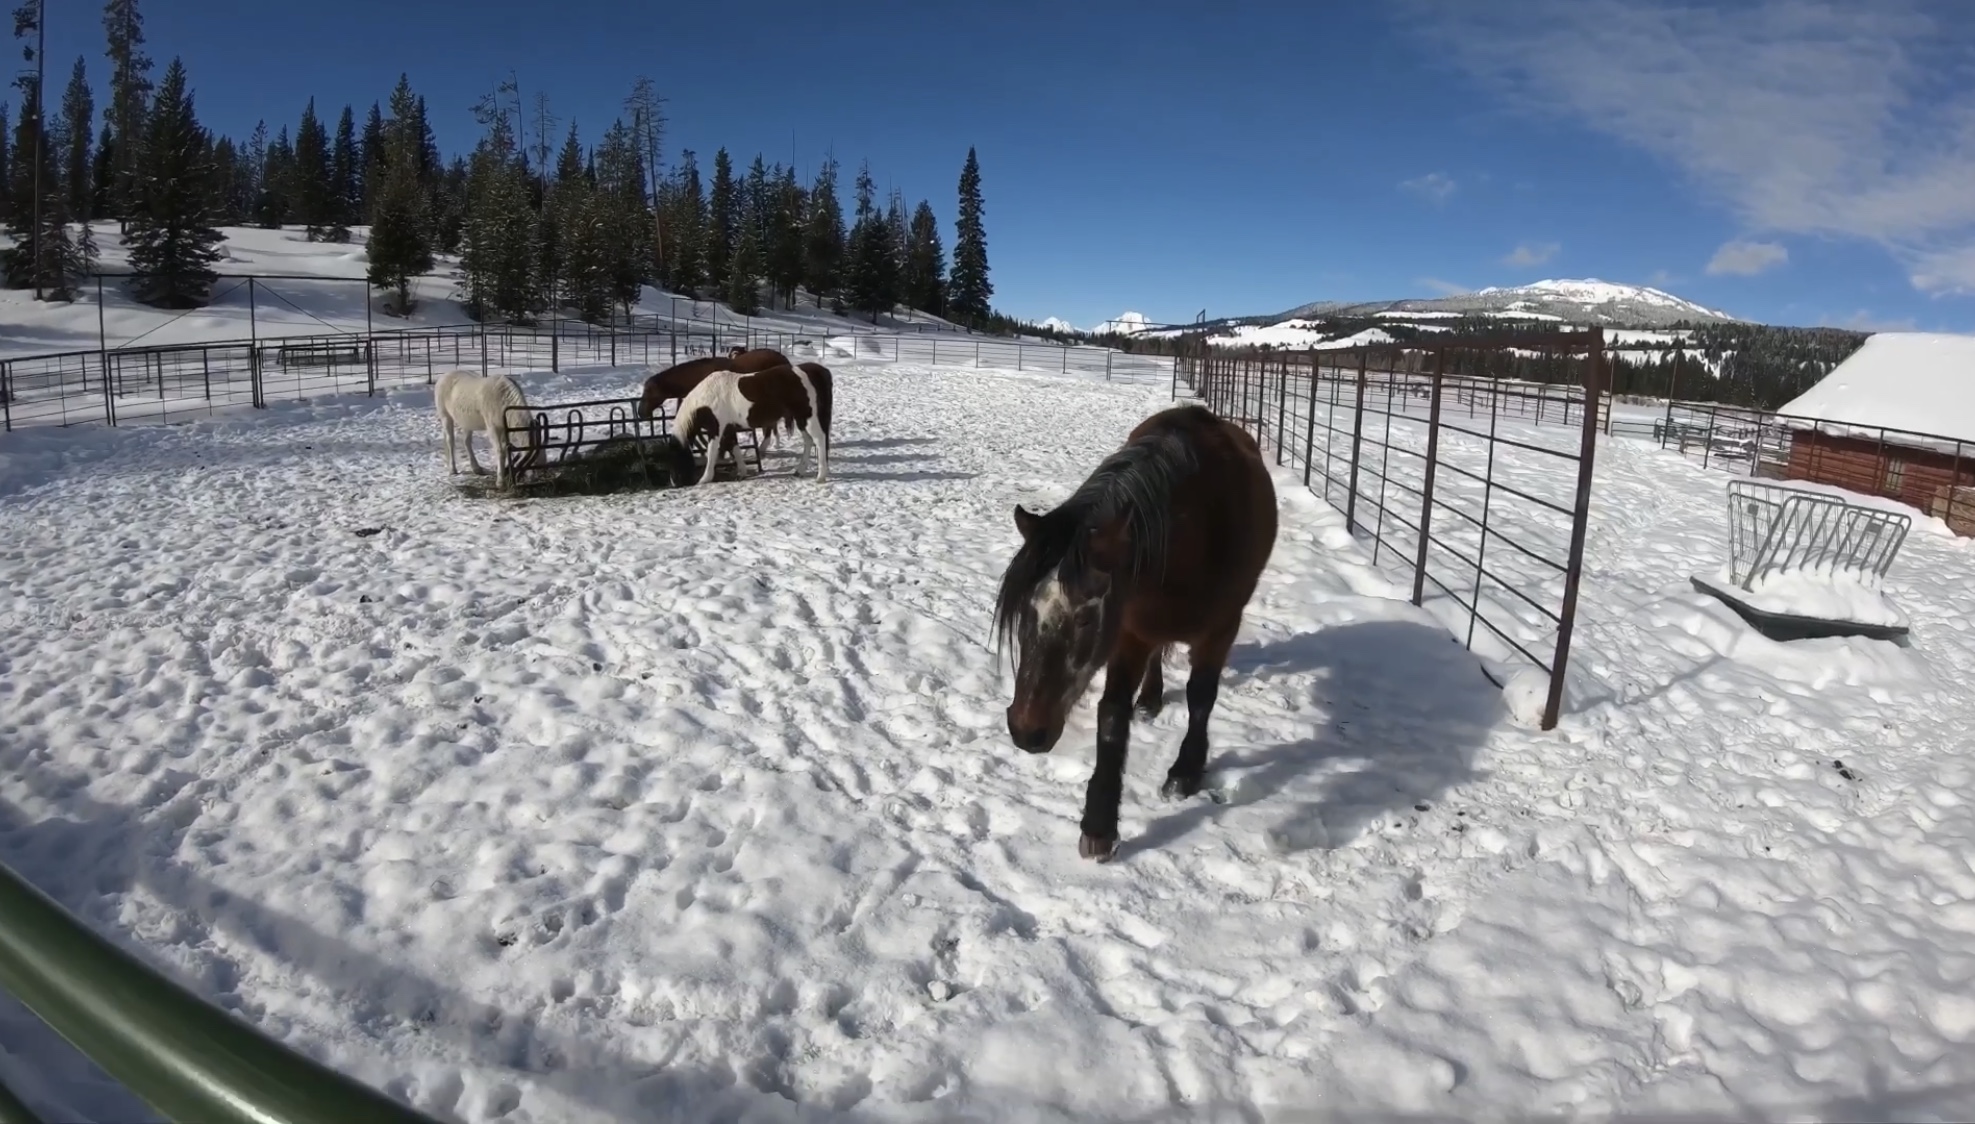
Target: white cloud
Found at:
1434, 187
1813, 117
1746, 259
1532, 254
1661, 277
1442, 288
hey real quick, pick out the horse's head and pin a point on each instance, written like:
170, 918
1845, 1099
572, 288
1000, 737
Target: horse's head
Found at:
649, 398
736, 352
1057, 600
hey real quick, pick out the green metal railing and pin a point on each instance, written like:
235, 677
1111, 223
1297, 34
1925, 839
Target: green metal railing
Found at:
186, 1058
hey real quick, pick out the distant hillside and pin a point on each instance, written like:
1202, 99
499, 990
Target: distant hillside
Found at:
1588, 302
1719, 358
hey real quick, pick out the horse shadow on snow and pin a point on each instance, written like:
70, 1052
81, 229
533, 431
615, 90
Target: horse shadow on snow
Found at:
1404, 711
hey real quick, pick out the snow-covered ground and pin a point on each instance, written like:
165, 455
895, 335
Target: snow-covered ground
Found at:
698, 806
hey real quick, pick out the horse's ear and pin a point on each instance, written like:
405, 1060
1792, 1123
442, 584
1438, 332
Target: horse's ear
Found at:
1110, 544
1026, 521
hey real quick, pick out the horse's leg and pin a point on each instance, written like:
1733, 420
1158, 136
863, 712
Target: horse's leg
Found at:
470, 458
452, 459
497, 437
1114, 728
822, 438
713, 453
1203, 688
1152, 692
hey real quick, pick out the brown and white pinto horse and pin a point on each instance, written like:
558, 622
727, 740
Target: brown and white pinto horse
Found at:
1163, 544
726, 402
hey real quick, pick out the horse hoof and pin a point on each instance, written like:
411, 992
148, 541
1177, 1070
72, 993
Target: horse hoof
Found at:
1180, 786
1150, 708
1091, 847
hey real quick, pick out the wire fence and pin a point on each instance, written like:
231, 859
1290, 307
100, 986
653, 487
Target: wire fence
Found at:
1459, 483
179, 382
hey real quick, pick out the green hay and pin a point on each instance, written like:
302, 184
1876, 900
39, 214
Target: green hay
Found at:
615, 465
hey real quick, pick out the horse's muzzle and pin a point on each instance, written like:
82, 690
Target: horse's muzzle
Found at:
1032, 738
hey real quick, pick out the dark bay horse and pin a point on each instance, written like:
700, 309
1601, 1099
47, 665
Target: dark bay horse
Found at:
675, 381
1163, 544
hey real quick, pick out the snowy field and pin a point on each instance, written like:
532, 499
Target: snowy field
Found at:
699, 806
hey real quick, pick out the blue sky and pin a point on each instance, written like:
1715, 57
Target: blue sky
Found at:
1793, 161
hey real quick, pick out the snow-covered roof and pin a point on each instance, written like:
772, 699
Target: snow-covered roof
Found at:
1922, 382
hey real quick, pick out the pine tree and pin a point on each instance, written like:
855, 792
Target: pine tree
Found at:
785, 244
42, 256
343, 170
925, 263
871, 276
759, 204
6, 165
254, 159
647, 135
744, 274
897, 235
969, 290
723, 215
235, 184
499, 258
78, 121
103, 176
277, 204
370, 166
561, 207
401, 225
128, 111
173, 243
823, 240
688, 228
313, 196
622, 217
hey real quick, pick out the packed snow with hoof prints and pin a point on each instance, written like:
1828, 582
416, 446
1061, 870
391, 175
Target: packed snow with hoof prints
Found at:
699, 804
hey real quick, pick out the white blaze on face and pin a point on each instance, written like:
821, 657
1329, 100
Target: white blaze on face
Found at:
1052, 608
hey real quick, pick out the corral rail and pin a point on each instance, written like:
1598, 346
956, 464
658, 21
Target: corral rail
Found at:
1455, 480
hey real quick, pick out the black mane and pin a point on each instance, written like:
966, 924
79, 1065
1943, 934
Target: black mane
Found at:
1138, 480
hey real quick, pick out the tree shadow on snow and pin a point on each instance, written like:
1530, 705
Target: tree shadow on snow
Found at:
130, 851
1405, 711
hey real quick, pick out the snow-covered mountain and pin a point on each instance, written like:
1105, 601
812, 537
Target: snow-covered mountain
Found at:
1123, 324
1587, 302
1056, 324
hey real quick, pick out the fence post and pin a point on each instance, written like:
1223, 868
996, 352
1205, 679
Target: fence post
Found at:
555, 351
1672, 384
1176, 373
1066, 360
7, 396
483, 348
1357, 442
1310, 419
1282, 405
1432, 465
255, 391
1580, 522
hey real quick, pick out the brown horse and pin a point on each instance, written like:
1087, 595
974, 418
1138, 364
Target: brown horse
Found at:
675, 381
1162, 545
727, 402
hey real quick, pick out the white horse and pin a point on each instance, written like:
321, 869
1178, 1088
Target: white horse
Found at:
472, 402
